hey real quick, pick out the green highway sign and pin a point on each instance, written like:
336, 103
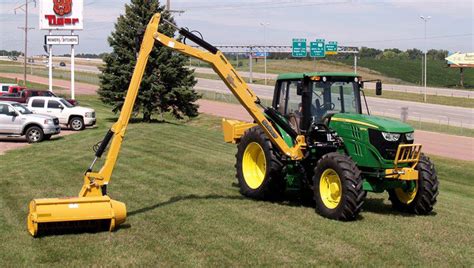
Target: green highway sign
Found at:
299, 47
331, 48
317, 48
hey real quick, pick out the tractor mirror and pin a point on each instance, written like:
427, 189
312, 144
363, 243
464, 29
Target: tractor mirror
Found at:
361, 84
299, 89
378, 88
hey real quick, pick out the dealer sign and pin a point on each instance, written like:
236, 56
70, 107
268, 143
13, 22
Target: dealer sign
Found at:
61, 14
61, 39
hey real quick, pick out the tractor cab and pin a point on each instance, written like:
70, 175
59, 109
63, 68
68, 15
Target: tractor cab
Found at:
307, 98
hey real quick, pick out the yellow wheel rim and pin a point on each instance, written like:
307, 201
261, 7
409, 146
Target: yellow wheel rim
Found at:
254, 165
330, 188
406, 197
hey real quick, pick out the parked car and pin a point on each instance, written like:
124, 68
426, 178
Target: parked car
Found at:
24, 95
16, 120
75, 117
62, 64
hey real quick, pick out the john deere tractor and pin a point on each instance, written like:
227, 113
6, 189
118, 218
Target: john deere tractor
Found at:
348, 153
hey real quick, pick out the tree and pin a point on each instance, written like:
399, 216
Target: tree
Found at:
167, 85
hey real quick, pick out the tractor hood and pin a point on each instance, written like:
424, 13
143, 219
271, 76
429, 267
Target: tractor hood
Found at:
374, 122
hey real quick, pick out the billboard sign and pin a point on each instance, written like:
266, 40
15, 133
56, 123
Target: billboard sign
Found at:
61, 39
61, 14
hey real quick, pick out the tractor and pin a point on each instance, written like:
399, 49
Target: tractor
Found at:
349, 151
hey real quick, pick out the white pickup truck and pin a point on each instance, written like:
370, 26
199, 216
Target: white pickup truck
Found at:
16, 121
76, 117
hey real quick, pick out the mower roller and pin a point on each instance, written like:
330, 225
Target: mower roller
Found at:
314, 138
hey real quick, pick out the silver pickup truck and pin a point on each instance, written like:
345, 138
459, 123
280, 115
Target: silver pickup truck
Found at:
16, 121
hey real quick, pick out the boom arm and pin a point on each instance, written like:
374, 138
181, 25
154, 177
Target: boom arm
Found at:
95, 183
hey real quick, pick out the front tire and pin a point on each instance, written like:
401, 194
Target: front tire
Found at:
422, 199
34, 134
337, 186
76, 123
259, 169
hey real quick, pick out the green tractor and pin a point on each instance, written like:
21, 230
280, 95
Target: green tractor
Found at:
349, 152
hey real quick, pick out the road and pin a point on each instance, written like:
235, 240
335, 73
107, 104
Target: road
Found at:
417, 111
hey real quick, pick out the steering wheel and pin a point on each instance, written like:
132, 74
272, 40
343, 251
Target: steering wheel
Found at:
329, 106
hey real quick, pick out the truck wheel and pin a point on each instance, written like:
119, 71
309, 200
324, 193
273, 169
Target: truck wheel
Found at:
34, 134
259, 169
422, 199
337, 184
76, 123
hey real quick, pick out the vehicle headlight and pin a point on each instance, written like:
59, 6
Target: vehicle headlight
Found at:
48, 122
391, 136
90, 114
410, 136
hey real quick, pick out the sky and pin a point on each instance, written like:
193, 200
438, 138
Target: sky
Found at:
371, 23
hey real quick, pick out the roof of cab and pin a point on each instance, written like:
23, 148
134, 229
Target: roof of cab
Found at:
290, 76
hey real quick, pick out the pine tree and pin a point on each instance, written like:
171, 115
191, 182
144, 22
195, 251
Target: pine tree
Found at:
167, 85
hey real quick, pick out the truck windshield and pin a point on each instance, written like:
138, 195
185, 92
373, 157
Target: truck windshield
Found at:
66, 103
22, 109
333, 97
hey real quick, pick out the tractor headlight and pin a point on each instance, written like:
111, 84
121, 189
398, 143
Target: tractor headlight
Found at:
391, 136
410, 136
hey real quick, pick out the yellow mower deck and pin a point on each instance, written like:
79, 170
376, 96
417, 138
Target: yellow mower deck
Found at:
79, 213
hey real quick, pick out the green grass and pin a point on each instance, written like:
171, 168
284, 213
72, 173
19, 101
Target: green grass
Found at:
177, 181
410, 71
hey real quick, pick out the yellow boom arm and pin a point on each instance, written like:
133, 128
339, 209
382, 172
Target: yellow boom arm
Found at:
93, 204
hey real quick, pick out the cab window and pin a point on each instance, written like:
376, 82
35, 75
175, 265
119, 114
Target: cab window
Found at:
289, 102
52, 104
37, 104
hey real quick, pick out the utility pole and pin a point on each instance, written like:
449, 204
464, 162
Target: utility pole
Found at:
24, 7
425, 19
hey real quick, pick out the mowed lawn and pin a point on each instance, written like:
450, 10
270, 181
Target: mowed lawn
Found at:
177, 179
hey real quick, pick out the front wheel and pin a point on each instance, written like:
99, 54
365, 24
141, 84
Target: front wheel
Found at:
76, 123
337, 185
34, 134
422, 198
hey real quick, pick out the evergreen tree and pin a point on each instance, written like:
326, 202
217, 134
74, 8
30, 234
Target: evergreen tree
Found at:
167, 85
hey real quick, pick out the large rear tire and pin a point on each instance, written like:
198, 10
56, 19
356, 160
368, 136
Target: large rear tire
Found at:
422, 199
337, 186
258, 165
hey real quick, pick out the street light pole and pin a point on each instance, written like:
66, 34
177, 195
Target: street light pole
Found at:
265, 24
425, 19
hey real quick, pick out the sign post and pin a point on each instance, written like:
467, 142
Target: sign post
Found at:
61, 15
299, 48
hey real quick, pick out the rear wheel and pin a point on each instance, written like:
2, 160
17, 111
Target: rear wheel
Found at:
337, 184
259, 169
34, 134
422, 198
76, 123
